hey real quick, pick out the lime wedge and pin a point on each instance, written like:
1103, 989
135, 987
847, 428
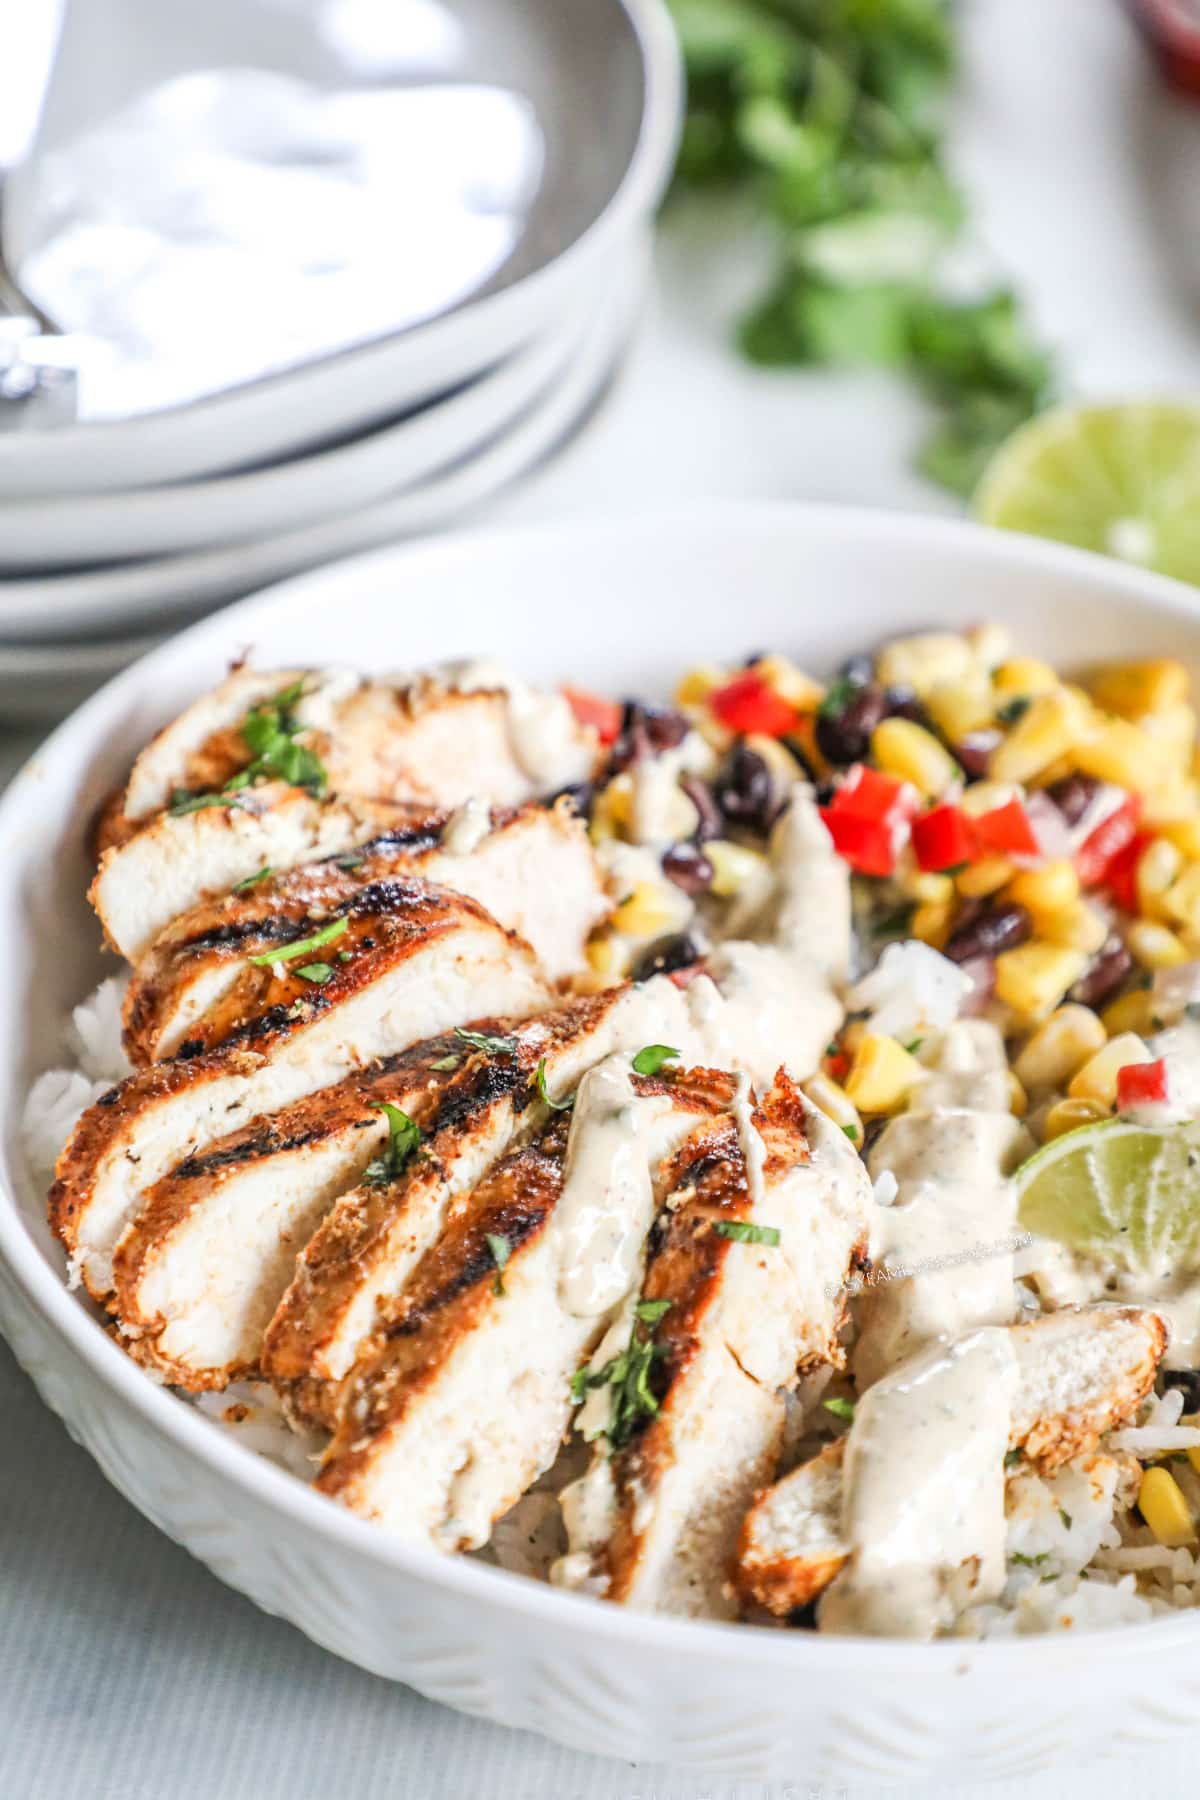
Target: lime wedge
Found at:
1124, 480
1123, 1193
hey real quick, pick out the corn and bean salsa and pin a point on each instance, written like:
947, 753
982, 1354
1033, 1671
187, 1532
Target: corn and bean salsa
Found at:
1038, 830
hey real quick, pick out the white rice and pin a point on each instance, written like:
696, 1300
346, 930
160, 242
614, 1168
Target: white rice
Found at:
92, 1041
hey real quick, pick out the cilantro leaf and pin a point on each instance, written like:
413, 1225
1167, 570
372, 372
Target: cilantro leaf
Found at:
316, 941
742, 1232
490, 1046
539, 1081
501, 1250
249, 881
650, 1060
841, 1409
404, 1137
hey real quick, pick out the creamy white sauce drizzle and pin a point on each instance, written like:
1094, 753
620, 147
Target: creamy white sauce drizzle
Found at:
754, 1151
661, 812
607, 1203
466, 829
546, 740
803, 904
329, 689
942, 1252
923, 1496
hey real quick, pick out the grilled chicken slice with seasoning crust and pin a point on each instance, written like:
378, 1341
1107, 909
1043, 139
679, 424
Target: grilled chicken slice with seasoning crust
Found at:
364, 1251
211, 973
199, 1271
1079, 1373
438, 739
179, 860
435, 959
462, 1398
765, 1215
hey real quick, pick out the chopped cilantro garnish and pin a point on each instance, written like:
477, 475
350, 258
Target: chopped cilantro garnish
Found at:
404, 1136
490, 1046
841, 1409
651, 1311
1012, 1458
501, 1250
914, 1045
269, 732
1028, 1562
1014, 709
350, 860
539, 1081
1066, 1518
316, 972
250, 881
741, 1232
650, 1060
837, 697
896, 922
289, 952
851, 1132
444, 1063
183, 802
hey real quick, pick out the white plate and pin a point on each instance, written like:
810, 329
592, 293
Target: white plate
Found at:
45, 681
82, 530
181, 587
589, 63
625, 605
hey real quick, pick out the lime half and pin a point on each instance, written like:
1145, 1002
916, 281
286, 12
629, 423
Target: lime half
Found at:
1124, 480
1123, 1193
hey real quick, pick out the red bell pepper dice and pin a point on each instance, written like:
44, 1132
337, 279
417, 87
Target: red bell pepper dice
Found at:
1114, 834
866, 794
1120, 873
942, 839
604, 716
868, 845
1141, 1084
1006, 831
748, 705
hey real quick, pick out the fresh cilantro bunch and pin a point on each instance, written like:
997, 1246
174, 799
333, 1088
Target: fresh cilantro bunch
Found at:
828, 116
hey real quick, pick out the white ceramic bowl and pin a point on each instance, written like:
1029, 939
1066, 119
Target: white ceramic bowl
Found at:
622, 606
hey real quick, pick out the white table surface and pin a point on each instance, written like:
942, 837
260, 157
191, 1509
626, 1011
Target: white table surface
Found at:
126, 1670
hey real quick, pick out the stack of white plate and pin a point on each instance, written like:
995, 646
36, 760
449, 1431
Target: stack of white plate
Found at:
115, 530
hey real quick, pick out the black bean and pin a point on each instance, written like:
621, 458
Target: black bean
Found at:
1188, 1383
994, 929
844, 737
1103, 975
688, 867
645, 730
664, 727
701, 796
974, 753
743, 790
1073, 795
666, 955
858, 669
902, 703
581, 796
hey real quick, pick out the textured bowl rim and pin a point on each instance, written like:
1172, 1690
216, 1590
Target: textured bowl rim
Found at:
737, 1646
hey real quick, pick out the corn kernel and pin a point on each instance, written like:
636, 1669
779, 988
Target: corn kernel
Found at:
960, 706
778, 758
1097, 1080
1162, 1505
932, 921
1184, 833
1173, 803
836, 1104
1191, 1420
1157, 869
1033, 978
1118, 751
733, 866
1131, 688
1052, 888
882, 1075
985, 796
1056, 722
989, 643
920, 662
1182, 902
905, 749
1018, 1099
1070, 1037
1079, 927
1174, 727
986, 877
1069, 1115
1131, 1012
651, 910
804, 733
922, 884
1155, 946
613, 808
605, 955
1023, 675
790, 682
1058, 770
698, 683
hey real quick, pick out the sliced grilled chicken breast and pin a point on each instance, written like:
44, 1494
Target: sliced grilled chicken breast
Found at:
533, 870
176, 861
1080, 1373
436, 739
437, 958
463, 1397
201, 1268
654, 1522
